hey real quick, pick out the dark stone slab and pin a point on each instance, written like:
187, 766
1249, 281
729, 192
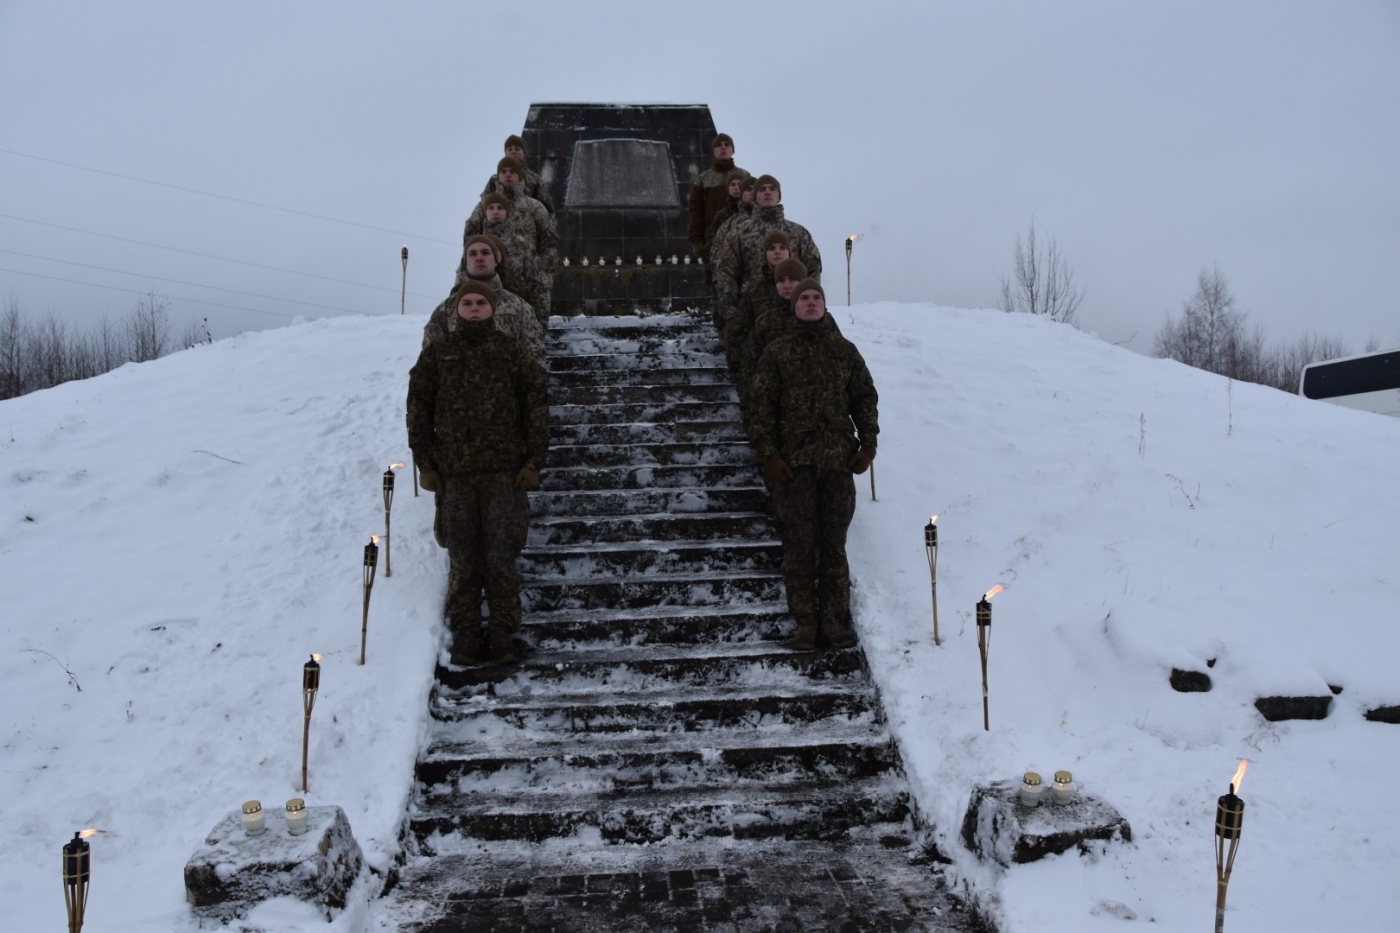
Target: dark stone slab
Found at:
1390, 714
997, 827
621, 173
233, 872
1277, 709
1190, 681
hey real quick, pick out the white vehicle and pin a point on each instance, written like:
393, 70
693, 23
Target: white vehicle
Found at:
1368, 381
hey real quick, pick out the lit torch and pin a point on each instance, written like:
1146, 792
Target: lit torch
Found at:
388, 504
1229, 822
403, 290
371, 562
310, 683
850, 244
931, 547
984, 641
77, 872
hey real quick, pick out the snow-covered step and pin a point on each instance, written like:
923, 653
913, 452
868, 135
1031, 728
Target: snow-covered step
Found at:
647, 432
809, 810
676, 499
649, 393
662, 357
708, 477
653, 374
645, 413
674, 589
658, 625
655, 668
733, 452
651, 527
635, 558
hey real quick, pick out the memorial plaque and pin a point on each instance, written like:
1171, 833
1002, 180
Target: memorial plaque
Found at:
621, 173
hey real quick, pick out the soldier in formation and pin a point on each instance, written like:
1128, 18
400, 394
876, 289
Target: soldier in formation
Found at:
478, 428
709, 193
528, 232
529, 181
739, 254
513, 315
814, 424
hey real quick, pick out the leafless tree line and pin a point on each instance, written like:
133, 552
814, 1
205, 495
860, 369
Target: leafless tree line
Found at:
1211, 334
1042, 282
40, 355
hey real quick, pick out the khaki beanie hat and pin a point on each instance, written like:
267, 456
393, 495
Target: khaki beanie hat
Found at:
777, 236
489, 240
807, 285
733, 176
511, 163
497, 245
513, 140
495, 197
768, 180
750, 183
473, 286
722, 138
789, 269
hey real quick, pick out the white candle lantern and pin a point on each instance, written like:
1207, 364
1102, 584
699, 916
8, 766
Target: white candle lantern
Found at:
673, 259
1031, 789
1062, 790
566, 262
297, 822
254, 819
658, 259
585, 262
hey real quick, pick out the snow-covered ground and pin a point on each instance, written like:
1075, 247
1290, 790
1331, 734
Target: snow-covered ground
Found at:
185, 532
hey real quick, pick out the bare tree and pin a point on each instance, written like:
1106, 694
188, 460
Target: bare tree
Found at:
12, 339
1042, 282
1210, 332
148, 329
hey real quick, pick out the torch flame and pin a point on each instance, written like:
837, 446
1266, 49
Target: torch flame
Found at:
1238, 779
993, 591
853, 237
88, 832
374, 539
932, 519
317, 658
395, 466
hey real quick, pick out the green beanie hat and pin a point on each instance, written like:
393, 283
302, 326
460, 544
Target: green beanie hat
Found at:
750, 182
512, 163
722, 138
807, 285
768, 180
777, 236
489, 240
790, 269
495, 197
513, 140
472, 286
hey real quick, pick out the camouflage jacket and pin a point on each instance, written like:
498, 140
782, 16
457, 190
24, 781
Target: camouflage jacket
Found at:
724, 213
741, 214
764, 315
739, 255
513, 316
809, 389
528, 232
477, 403
708, 194
530, 184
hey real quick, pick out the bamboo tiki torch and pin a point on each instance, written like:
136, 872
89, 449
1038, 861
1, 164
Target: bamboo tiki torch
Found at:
77, 873
388, 504
310, 683
931, 547
984, 642
371, 561
403, 289
1229, 822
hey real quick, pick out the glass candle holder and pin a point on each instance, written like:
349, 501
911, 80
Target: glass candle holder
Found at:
1062, 790
297, 818
1031, 789
254, 819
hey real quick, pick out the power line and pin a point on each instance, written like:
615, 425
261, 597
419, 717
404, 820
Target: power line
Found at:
225, 197
134, 291
158, 278
190, 252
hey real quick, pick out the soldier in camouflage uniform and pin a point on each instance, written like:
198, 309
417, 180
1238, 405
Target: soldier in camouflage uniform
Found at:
710, 191
530, 237
734, 181
760, 287
513, 314
529, 181
478, 428
739, 254
811, 388
742, 212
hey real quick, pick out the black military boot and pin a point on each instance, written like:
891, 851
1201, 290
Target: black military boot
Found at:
836, 635
805, 638
466, 644
502, 645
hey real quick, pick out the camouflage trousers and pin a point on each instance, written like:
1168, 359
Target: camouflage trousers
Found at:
814, 512
486, 520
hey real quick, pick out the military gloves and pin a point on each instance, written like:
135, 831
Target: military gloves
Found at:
528, 479
861, 459
777, 469
430, 480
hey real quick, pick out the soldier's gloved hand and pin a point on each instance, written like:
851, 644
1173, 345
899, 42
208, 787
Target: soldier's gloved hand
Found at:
777, 469
430, 480
861, 459
528, 479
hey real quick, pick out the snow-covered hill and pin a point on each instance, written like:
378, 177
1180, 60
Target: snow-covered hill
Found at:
182, 534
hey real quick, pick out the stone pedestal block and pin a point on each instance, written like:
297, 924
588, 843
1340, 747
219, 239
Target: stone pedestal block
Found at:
233, 872
997, 826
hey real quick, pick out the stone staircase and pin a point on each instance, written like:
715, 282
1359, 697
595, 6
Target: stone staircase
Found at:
659, 760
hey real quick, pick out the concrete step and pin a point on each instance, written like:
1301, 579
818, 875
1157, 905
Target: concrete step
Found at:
644, 394
654, 376
665, 476
653, 668
755, 707
651, 527
644, 413
817, 809
646, 558
741, 588
642, 432
658, 625
675, 500
710, 453
608, 762
615, 359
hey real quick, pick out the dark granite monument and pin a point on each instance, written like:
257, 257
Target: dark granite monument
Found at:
619, 175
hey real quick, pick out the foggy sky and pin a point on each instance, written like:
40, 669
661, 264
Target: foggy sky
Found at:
1149, 139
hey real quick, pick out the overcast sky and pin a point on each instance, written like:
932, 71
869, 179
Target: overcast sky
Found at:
1150, 139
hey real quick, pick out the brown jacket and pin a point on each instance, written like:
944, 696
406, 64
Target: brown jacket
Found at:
708, 193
